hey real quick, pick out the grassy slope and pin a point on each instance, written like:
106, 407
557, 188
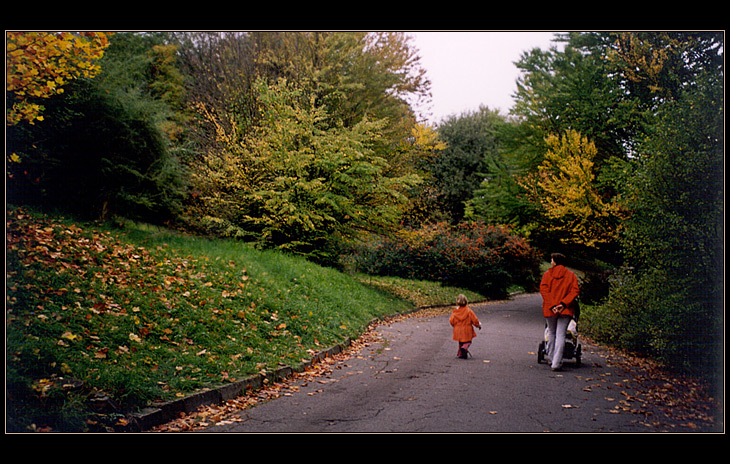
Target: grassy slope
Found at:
140, 314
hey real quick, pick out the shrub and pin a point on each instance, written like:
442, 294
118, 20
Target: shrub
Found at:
484, 258
657, 315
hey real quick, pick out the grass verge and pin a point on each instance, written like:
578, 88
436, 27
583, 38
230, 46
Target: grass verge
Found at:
421, 293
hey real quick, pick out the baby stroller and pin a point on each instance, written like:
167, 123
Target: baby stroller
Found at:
572, 348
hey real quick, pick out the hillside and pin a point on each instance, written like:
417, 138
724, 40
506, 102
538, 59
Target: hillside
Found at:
134, 315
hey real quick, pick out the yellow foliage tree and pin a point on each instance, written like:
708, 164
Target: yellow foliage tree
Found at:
38, 64
564, 187
640, 60
426, 138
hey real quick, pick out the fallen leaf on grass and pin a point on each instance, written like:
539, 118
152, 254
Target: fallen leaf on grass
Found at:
69, 336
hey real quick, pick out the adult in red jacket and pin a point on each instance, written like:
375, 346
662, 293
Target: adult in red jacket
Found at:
559, 290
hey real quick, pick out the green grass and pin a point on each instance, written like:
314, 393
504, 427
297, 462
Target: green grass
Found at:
139, 314
420, 292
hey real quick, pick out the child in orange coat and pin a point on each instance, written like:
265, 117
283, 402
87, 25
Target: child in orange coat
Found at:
463, 320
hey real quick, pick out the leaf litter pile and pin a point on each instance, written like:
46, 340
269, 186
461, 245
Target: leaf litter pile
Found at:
661, 400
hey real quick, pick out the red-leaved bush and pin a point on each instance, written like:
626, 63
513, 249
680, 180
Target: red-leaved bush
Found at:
484, 258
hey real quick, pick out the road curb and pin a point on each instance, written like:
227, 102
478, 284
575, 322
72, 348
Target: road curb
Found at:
161, 413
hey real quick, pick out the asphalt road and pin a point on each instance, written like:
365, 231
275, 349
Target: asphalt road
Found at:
412, 382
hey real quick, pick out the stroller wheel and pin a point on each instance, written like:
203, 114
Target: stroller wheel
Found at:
541, 352
578, 351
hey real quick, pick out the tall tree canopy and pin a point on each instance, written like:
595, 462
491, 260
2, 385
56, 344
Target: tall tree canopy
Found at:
471, 142
304, 135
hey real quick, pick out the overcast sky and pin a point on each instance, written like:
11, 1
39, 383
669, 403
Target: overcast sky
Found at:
469, 69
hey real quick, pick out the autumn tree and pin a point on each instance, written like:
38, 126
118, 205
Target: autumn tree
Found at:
106, 144
581, 87
657, 66
296, 183
39, 64
302, 135
564, 187
352, 75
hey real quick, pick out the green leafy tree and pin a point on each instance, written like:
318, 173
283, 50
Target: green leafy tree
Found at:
668, 304
500, 199
656, 67
667, 301
296, 183
575, 89
471, 141
353, 76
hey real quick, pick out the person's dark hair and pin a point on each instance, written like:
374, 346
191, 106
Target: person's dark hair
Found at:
559, 258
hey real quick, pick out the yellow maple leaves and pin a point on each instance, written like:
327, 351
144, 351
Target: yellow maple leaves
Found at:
38, 64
